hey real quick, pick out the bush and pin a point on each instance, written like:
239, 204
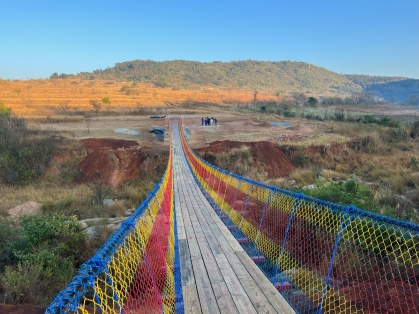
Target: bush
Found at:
134, 194
25, 154
414, 161
414, 130
40, 257
345, 193
300, 157
290, 113
100, 192
369, 119
116, 209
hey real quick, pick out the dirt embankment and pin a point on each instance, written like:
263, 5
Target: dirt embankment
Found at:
111, 161
276, 163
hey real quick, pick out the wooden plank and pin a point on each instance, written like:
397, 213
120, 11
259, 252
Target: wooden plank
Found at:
271, 293
222, 281
255, 293
186, 271
224, 298
240, 298
203, 285
213, 244
191, 300
213, 271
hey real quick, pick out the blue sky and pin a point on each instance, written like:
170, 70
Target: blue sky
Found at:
376, 37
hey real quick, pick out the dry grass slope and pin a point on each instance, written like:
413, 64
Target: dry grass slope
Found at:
52, 97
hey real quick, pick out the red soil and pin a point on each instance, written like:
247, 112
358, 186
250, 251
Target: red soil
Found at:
276, 163
111, 161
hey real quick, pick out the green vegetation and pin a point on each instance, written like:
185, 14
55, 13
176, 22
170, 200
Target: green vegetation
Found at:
25, 153
38, 256
346, 193
106, 100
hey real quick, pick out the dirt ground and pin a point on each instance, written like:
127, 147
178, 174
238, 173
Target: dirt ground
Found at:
276, 163
117, 157
241, 127
111, 160
230, 127
104, 127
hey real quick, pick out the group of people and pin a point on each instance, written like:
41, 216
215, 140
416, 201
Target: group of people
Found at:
209, 121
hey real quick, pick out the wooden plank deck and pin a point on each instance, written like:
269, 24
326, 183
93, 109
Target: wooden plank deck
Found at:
217, 274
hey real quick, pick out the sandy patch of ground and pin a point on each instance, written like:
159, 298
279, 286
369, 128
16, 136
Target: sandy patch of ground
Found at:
27, 208
104, 127
250, 129
230, 127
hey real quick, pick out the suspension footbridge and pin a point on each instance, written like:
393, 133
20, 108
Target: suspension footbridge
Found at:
208, 241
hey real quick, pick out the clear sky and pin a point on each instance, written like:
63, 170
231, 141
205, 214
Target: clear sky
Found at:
376, 37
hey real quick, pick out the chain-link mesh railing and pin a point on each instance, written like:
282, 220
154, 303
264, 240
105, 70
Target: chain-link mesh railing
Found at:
323, 257
137, 269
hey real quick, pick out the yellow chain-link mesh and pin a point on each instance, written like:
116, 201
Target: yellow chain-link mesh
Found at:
338, 260
137, 269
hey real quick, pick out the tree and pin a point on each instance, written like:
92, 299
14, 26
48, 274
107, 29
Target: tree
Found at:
24, 153
96, 105
4, 112
65, 106
300, 98
255, 95
106, 100
312, 102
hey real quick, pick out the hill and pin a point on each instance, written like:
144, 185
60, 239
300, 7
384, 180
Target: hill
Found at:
283, 76
395, 89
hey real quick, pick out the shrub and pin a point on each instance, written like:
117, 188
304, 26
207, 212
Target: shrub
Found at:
124, 88
369, 119
290, 113
414, 130
345, 193
300, 157
414, 162
133, 194
100, 192
339, 116
25, 154
389, 122
303, 176
40, 257
106, 100
116, 209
